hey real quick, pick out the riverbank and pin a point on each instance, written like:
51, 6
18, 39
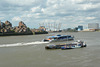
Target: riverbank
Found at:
16, 34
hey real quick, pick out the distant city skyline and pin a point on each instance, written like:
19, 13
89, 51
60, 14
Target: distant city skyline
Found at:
70, 13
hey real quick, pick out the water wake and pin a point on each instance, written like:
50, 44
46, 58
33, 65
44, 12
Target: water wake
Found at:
23, 44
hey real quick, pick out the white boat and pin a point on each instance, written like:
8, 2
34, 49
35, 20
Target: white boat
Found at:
58, 38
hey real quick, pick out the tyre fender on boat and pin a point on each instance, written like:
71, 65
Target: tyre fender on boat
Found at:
84, 44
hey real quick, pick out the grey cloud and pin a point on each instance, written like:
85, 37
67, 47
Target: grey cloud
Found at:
89, 1
65, 14
53, 11
9, 8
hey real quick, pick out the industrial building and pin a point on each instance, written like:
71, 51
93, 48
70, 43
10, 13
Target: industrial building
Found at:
93, 26
80, 28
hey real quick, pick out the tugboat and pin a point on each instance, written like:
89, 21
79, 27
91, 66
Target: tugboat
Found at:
58, 38
76, 44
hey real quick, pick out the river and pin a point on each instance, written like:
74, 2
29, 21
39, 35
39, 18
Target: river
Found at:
29, 51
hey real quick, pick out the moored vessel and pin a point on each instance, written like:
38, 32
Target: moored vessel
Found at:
76, 44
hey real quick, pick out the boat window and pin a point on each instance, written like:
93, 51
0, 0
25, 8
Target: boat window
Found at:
69, 36
55, 38
58, 35
62, 37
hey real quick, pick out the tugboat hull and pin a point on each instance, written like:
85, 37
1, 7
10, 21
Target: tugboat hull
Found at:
74, 45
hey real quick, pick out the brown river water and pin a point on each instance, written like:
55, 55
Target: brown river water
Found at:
29, 51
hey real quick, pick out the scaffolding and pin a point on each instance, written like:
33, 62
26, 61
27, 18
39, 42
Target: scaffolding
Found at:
51, 26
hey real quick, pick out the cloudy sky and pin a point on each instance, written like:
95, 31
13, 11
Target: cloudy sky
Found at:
70, 13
